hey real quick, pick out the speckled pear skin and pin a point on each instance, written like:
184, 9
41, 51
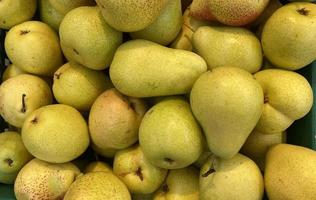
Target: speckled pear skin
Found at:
141, 68
42, 180
287, 97
235, 178
288, 37
228, 46
199, 9
130, 15
64, 6
290, 172
98, 185
228, 103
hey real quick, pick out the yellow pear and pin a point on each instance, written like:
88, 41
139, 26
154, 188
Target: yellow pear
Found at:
290, 172
98, 185
98, 166
64, 6
105, 152
11, 71
50, 15
41, 180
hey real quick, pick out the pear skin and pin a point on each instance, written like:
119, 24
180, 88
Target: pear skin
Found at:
50, 15
64, 6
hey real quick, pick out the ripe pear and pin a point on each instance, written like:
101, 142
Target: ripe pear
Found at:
78, 86
237, 13
41, 180
228, 46
18, 99
180, 184
166, 27
98, 166
204, 155
268, 11
258, 144
169, 135
13, 156
289, 34
64, 6
227, 102
34, 47
290, 172
287, 97
105, 152
98, 185
11, 71
138, 174
55, 133
200, 9
87, 39
13, 12
114, 120
142, 68
235, 178
50, 15
131, 15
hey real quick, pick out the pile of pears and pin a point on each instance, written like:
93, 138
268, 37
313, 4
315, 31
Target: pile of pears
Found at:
156, 99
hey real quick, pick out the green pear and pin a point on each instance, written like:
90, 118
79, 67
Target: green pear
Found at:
206, 153
98, 185
50, 15
288, 37
64, 6
237, 12
166, 27
169, 135
13, 12
11, 71
34, 47
98, 166
41, 180
87, 39
131, 15
18, 99
78, 86
234, 178
13, 156
55, 133
227, 102
290, 172
287, 97
180, 184
200, 9
189, 26
143, 196
105, 152
228, 46
138, 174
258, 144
114, 120
142, 68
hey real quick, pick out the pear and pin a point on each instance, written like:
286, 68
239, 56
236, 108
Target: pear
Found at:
34, 47
50, 15
268, 11
228, 46
11, 71
64, 6
258, 144
143, 196
98, 166
87, 39
200, 9
138, 174
98, 185
180, 184
13, 156
237, 12
13, 12
142, 68
289, 34
18, 99
166, 27
234, 178
228, 103
287, 97
105, 152
41, 180
131, 15
189, 26
206, 153
55, 133
290, 172
78, 86
169, 135
114, 120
